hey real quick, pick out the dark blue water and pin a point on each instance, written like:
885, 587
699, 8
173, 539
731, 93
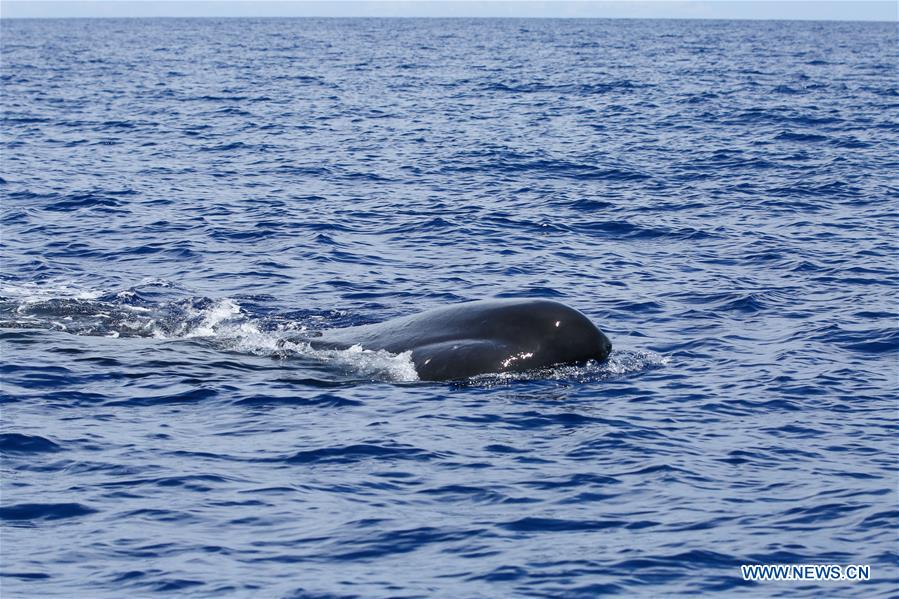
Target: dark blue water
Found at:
180, 197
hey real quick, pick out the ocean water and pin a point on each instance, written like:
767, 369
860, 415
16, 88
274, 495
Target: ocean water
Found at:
182, 198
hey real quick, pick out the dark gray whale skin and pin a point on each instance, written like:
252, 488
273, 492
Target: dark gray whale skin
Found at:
463, 340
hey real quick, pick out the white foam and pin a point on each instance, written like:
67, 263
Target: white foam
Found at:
620, 363
625, 362
29, 293
228, 326
221, 312
247, 338
396, 367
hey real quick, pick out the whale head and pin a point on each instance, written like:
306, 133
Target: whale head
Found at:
544, 333
567, 336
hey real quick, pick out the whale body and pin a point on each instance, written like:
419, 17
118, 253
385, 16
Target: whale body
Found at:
490, 336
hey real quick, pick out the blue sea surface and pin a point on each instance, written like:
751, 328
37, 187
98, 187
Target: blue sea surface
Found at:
182, 200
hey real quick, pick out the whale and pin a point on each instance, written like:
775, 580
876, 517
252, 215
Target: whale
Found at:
463, 340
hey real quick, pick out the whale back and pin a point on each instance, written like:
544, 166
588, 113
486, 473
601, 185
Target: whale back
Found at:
463, 340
